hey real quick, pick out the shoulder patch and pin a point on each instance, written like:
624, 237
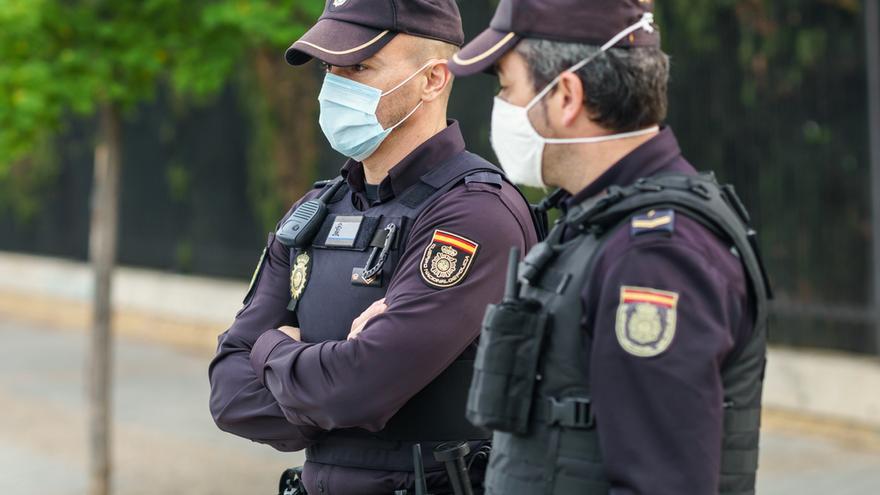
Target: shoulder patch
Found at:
653, 221
447, 259
646, 319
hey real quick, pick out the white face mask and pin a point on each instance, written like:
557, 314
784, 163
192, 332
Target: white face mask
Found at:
520, 148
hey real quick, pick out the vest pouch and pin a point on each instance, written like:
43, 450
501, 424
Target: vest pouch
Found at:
506, 367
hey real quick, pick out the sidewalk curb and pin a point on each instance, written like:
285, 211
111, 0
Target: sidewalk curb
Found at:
190, 312
57, 313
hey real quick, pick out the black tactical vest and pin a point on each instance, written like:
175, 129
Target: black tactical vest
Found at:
531, 383
336, 291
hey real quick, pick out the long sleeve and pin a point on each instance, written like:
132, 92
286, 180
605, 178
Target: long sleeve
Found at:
363, 382
659, 406
239, 403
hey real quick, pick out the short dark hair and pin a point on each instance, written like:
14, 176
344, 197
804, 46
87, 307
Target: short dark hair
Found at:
624, 89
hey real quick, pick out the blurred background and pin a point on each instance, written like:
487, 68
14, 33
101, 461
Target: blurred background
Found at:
216, 137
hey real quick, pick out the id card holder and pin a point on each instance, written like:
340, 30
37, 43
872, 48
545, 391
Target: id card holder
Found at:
344, 231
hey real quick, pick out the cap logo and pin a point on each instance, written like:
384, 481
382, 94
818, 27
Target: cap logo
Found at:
339, 3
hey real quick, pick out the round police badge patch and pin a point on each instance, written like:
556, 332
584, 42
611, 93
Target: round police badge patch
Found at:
447, 259
645, 323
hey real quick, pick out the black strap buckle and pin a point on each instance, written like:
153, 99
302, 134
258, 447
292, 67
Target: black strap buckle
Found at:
700, 190
571, 412
645, 185
291, 482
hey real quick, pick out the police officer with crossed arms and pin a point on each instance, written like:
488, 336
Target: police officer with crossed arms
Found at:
356, 341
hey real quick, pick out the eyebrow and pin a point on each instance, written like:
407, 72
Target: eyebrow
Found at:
375, 60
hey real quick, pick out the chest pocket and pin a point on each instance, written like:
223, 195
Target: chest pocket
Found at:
350, 264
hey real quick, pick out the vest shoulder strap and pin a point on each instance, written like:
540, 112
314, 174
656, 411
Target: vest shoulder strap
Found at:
720, 210
445, 176
700, 197
469, 168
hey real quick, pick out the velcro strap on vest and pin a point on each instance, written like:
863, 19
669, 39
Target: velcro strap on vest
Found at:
742, 420
568, 412
417, 194
740, 452
445, 176
739, 461
739, 484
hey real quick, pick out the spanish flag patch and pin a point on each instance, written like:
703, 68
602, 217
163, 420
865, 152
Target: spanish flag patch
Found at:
646, 320
447, 259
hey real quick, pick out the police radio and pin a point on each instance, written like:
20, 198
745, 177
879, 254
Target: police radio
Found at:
300, 229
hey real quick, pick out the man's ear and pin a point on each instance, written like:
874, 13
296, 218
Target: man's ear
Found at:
439, 78
571, 94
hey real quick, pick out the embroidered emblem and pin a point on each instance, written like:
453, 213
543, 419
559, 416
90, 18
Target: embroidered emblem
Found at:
653, 221
645, 323
339, 3
447, 259
299, 275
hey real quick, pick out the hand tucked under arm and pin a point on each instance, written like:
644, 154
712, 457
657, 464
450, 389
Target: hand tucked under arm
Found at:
375, 309
364, 381
361, 321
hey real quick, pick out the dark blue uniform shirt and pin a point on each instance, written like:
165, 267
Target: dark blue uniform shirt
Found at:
272, 389
659, 418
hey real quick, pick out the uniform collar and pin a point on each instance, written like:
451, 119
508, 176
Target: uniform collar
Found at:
437, 149
657, 155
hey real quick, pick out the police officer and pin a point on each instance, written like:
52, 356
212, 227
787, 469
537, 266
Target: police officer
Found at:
356, 339
638, 327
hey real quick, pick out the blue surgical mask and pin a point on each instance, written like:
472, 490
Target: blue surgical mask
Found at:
348, 115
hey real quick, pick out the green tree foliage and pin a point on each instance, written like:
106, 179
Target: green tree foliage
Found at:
63, 58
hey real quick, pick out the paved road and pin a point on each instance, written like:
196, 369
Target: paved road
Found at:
166, 443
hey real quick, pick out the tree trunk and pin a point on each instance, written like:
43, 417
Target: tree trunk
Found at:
292, 105
102, 252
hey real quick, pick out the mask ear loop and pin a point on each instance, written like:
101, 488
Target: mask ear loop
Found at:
646, 23
603, 139
395, 126
408, 79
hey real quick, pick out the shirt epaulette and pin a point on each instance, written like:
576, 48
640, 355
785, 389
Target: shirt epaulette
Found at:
652, 222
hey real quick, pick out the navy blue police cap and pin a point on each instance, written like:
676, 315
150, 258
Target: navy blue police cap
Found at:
593, 22
351, 31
